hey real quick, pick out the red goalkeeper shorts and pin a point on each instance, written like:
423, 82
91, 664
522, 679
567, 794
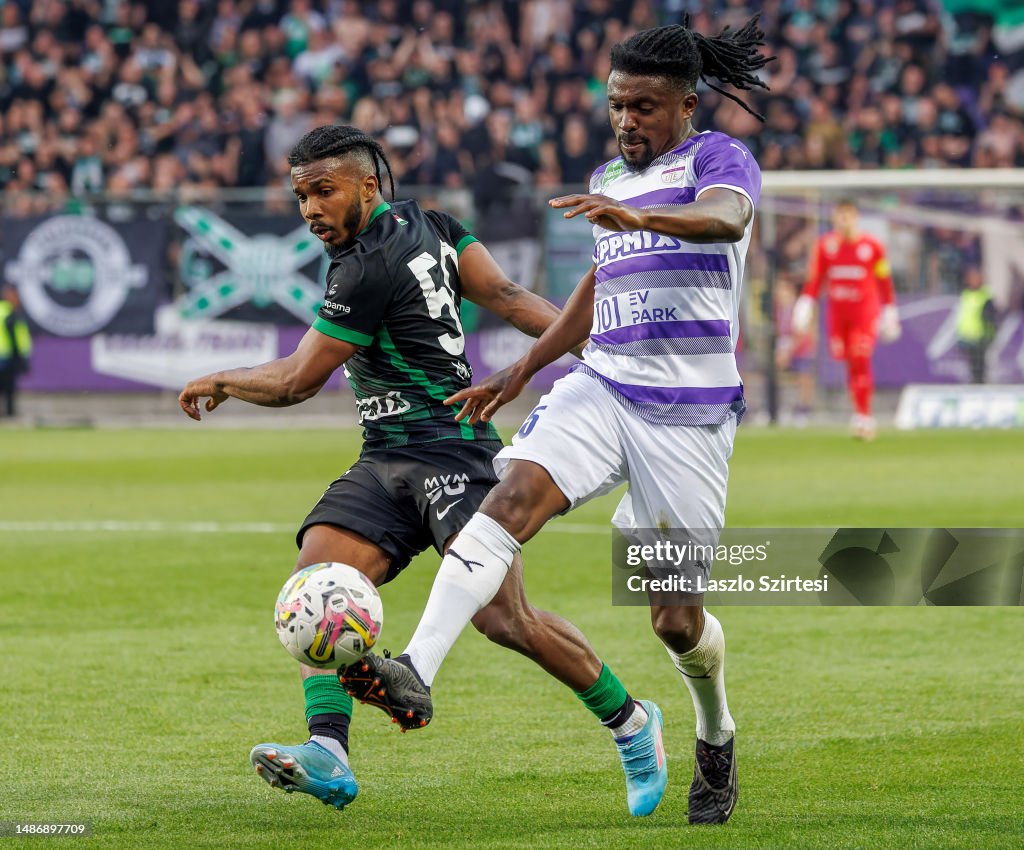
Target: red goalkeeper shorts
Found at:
852, 333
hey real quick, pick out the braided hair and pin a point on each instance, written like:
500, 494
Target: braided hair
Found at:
682, 55
341, 140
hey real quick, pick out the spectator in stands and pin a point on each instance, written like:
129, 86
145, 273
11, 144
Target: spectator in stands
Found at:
856, 85
575, 158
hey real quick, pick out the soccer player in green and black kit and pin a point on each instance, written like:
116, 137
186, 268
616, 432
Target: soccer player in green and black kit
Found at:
391, 316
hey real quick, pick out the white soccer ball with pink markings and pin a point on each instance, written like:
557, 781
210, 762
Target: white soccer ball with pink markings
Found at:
328, 615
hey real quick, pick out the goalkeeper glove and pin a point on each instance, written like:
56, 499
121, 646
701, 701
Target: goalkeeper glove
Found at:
889, 329
803, 311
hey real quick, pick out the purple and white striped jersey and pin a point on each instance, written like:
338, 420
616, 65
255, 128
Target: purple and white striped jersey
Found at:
666, 312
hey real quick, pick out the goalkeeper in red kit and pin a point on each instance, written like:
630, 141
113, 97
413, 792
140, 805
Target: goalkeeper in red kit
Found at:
855, 272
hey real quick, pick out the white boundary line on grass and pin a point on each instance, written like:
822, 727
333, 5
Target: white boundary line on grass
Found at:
161, 527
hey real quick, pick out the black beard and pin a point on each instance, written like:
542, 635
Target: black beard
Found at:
640, 164
351, 224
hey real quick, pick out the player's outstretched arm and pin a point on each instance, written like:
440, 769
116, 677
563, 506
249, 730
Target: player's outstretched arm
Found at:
567, 332
718, 215
484, 283
279, 383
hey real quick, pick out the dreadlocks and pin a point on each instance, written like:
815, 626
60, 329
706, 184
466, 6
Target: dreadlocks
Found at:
341, 140
682, 55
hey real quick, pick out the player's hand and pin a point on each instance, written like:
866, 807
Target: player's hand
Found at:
600, 210
483, 400
198, 389
803, 312
889, 329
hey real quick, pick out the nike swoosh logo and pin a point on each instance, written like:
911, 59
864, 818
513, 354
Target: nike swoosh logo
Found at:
444, 513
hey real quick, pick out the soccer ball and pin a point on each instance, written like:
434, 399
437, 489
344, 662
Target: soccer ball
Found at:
328, 615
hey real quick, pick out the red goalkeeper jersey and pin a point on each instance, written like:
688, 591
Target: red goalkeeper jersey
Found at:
855, 273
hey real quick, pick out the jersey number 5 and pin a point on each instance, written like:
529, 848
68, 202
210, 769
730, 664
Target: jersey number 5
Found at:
439, 298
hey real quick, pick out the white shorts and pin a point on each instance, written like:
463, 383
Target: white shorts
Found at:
590, 444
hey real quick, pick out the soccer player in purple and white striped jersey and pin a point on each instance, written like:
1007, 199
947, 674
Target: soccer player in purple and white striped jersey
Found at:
657, 398
666, 310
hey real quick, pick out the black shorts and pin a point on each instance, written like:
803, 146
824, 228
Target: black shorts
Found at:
408, 499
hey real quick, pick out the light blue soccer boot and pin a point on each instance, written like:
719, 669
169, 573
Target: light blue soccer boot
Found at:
308, 768
643, 760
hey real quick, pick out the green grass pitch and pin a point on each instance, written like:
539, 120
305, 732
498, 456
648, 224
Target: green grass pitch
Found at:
140, 663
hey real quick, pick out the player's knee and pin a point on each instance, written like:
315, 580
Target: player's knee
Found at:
860, 367
861, 381
677, 627
525, 499
509, 505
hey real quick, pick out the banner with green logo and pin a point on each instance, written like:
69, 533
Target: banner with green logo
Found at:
80, 274
246, 266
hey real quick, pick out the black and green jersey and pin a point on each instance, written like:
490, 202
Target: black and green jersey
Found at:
396, 292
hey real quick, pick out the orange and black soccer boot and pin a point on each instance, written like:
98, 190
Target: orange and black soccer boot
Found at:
391, 684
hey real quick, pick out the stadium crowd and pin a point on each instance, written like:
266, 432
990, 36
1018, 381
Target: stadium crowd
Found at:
101, 95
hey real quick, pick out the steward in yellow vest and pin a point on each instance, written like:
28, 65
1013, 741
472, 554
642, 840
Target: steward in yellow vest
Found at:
15, 348
975, 324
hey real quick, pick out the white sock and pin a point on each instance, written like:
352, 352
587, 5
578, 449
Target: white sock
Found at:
703, 669
332, 745
632, 724
469, 576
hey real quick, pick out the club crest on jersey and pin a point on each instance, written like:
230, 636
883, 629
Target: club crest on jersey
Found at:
673, 175
863, 252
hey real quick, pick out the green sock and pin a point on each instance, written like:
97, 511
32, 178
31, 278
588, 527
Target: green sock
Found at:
325, 695
606, 696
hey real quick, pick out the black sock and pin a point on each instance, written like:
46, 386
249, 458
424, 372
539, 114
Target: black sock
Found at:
617, 718
330, 726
